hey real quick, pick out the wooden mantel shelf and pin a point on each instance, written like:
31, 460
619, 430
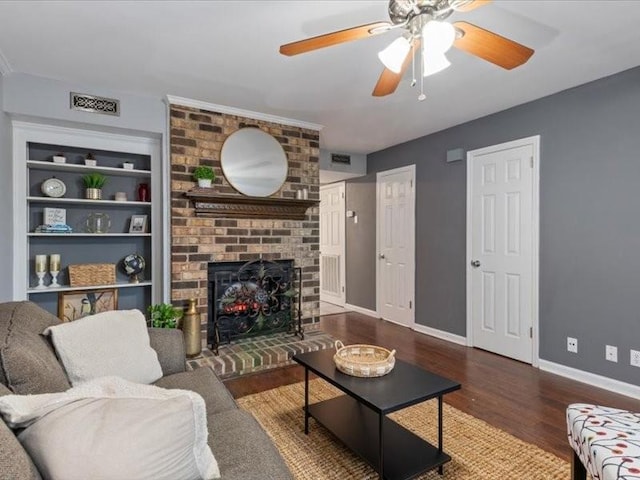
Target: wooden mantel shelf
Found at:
209, 204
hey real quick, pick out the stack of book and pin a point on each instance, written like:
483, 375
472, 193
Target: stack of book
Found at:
55, 228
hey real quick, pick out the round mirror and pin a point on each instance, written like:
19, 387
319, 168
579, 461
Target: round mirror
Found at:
254, 162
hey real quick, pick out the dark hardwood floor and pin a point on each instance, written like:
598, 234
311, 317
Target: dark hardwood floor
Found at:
508, 394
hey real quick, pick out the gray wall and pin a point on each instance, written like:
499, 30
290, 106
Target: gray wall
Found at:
589, 219
6, 202
361, 244
44, 98
358, 165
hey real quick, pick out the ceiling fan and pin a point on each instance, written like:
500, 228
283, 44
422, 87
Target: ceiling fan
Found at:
424, 25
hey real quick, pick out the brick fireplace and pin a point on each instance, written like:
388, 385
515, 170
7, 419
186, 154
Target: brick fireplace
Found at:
196, 138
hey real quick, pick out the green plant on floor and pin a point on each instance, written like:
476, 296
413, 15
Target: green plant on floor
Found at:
94, 180
204, 172
164, 315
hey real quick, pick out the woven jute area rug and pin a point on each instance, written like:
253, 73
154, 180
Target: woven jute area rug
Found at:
478, 450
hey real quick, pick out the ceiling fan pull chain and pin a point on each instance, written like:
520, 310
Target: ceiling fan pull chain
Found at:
413, 71
422, 96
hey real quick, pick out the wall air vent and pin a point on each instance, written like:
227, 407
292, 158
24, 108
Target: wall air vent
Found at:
341, 158
93, 104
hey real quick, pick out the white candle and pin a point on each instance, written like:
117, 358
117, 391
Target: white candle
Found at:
41, 263
54, 263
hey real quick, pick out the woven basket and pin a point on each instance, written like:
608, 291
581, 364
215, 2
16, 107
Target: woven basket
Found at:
363, 360
89, 274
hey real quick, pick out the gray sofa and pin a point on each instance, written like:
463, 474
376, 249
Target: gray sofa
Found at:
28, 365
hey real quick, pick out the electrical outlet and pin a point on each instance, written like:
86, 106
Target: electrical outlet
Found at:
635, 358
572, 344
611, 353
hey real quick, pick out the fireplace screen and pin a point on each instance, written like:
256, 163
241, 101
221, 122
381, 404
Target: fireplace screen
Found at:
252, 298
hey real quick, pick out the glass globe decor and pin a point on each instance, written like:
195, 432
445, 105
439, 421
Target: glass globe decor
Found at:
133, 266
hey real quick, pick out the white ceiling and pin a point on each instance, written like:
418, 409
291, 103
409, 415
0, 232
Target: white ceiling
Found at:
226, 52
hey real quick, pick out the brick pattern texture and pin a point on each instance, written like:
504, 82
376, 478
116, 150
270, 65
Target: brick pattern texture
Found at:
196, 139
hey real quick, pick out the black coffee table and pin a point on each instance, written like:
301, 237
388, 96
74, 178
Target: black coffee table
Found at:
359, 418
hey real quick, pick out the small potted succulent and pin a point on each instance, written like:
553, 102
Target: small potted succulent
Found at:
59, 158
164, 315
93, 183
204, 175
90, 160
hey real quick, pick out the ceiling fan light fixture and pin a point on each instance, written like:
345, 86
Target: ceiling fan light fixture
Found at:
393, 56
433, 62
438, 36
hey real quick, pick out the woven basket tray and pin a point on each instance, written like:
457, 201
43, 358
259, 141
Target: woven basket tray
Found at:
363, 360
89, 274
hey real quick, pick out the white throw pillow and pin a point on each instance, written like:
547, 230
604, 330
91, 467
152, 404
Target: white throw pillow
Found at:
111, 429
108, 343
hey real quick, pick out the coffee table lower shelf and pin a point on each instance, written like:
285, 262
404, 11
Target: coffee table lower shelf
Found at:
405, 454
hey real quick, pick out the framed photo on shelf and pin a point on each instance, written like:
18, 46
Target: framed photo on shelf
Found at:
78, 304
138, 224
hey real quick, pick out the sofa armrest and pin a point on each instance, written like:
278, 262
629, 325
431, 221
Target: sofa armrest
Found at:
169, 345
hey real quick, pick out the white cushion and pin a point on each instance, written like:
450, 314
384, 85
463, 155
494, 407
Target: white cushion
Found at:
111, 429
108, 343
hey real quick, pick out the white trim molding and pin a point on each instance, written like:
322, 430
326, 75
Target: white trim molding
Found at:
364, 311
441, 334
5, 66
212, 107
593, 379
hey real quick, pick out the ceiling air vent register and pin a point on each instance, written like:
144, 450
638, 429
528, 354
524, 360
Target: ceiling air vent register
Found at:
93, 104
340, 158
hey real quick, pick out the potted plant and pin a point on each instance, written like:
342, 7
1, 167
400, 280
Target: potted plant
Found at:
164, 315
204, 175
94, 182
59, 158
90, 160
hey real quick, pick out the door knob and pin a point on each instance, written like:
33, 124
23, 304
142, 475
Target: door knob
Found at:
475, 263
381, 255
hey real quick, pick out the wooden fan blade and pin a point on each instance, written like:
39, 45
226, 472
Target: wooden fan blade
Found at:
473, 5
389, 81
334, 38
491, 47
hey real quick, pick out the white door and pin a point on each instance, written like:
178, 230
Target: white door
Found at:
395, 269
502, 236
332, 243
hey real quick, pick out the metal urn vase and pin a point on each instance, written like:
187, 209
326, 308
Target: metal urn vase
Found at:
191, 330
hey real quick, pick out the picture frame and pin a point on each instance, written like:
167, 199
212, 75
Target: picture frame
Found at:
80, 303
138, 224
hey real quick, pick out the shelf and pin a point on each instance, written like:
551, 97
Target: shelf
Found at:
67, 288
58, 235
208, 204
73, 167
84, 201
406, 455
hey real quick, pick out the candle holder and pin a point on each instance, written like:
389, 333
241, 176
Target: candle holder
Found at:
41, 284
54, 279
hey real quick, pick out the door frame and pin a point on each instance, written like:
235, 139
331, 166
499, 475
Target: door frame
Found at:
343, 246
534, 141
412, 239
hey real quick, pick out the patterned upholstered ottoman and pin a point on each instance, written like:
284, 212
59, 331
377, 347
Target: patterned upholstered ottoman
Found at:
606, 442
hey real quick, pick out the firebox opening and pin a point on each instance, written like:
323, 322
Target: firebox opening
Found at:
252, 298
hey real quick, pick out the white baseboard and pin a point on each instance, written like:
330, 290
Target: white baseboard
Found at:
364, 311
593, 379
441, 334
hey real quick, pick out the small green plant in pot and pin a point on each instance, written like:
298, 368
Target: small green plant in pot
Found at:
93, 183
164, 315
204, 175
